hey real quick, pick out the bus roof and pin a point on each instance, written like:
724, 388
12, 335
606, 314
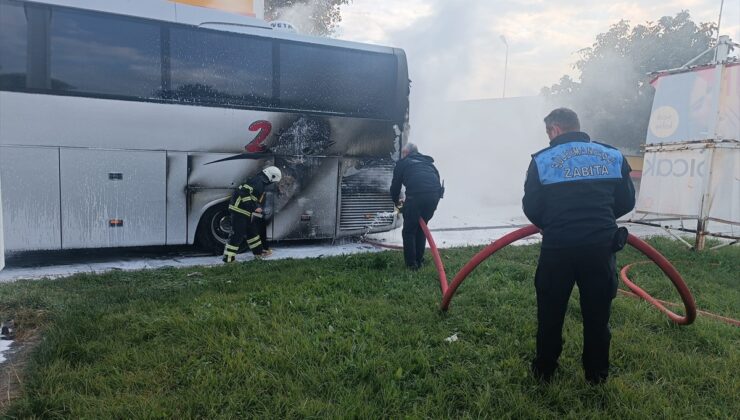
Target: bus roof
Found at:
170, 11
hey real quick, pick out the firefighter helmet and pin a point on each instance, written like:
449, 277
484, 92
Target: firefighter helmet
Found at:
273, 173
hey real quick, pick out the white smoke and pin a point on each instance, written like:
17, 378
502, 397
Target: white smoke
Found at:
304, 16
455, 52
482, 148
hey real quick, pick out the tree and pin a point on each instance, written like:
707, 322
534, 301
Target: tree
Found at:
613, 95
315, 17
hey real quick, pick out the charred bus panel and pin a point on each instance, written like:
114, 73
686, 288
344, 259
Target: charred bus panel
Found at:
364, 200
306, 202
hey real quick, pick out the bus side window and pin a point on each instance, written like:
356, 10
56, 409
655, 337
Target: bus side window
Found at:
13, 46
104, 54
340, 80
220, 68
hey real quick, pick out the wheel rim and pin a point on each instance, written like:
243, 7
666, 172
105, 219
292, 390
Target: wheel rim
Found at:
221, 226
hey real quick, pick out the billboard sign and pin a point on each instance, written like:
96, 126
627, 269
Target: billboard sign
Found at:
695, 106
253, 8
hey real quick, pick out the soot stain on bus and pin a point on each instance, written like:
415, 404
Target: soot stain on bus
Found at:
310, 150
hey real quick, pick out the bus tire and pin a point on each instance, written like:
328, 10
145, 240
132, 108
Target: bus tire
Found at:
214, 229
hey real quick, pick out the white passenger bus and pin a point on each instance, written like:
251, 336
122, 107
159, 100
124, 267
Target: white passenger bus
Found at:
112, 114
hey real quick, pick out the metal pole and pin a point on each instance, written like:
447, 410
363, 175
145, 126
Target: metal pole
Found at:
719, 23
703, 220
506, 64
721, 51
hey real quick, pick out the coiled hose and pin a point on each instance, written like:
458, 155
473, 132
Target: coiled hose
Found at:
449, 291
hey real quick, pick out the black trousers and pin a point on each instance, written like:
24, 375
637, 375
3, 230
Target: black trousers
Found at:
263, 234
594, 270
242, 228
414, 241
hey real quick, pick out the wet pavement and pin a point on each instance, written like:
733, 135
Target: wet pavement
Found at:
450, 229
57, 264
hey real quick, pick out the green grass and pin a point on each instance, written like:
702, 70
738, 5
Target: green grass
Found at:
357, 336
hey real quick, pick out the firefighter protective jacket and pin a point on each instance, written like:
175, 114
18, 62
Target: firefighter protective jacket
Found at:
417, 173
575, 190
249, 196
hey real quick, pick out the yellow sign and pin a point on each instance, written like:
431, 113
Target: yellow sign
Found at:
242, 7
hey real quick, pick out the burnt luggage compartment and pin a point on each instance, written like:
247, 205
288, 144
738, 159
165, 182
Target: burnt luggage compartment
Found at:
306, 203
365, 201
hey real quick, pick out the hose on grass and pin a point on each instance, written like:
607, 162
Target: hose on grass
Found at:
673, 275
635, 291
724, 319
449, 291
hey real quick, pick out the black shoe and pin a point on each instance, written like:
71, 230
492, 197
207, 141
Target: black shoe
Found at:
421, 262
596, 378
544, 376
413, 267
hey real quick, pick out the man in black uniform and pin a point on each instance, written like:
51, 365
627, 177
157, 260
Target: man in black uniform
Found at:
423, 191
246, 211
574, 192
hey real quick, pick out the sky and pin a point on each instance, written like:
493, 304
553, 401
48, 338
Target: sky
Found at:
454, 47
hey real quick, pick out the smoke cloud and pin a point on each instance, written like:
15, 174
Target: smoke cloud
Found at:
455, 54
308, 18
481, 147
300, 15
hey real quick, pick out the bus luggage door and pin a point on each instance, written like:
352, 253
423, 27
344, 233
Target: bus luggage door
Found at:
306, 203
112, 198
30, 198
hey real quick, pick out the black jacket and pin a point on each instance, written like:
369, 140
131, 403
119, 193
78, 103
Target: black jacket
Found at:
575, 190
417, 173
249, 196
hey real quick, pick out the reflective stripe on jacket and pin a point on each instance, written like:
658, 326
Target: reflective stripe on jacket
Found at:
249, 196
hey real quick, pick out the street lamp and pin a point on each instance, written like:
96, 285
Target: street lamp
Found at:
506, 64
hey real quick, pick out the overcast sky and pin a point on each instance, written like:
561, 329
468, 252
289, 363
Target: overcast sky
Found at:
454, 46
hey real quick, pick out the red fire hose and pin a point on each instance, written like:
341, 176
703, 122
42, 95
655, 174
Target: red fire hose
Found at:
671, 272
449, 291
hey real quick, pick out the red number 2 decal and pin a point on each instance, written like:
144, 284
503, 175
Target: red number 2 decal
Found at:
264, 128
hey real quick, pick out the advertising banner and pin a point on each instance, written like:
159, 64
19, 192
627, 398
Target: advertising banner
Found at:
728, 125
673, 184
694, 106
242, 7
724, 189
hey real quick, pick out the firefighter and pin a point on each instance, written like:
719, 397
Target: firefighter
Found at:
423, 191
574, 192
246, 211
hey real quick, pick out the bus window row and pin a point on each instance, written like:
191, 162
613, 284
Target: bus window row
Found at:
58, 50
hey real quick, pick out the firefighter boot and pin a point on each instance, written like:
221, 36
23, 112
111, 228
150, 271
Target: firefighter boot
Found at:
230, 253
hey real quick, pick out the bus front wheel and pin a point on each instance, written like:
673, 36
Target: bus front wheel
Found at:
214, 230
